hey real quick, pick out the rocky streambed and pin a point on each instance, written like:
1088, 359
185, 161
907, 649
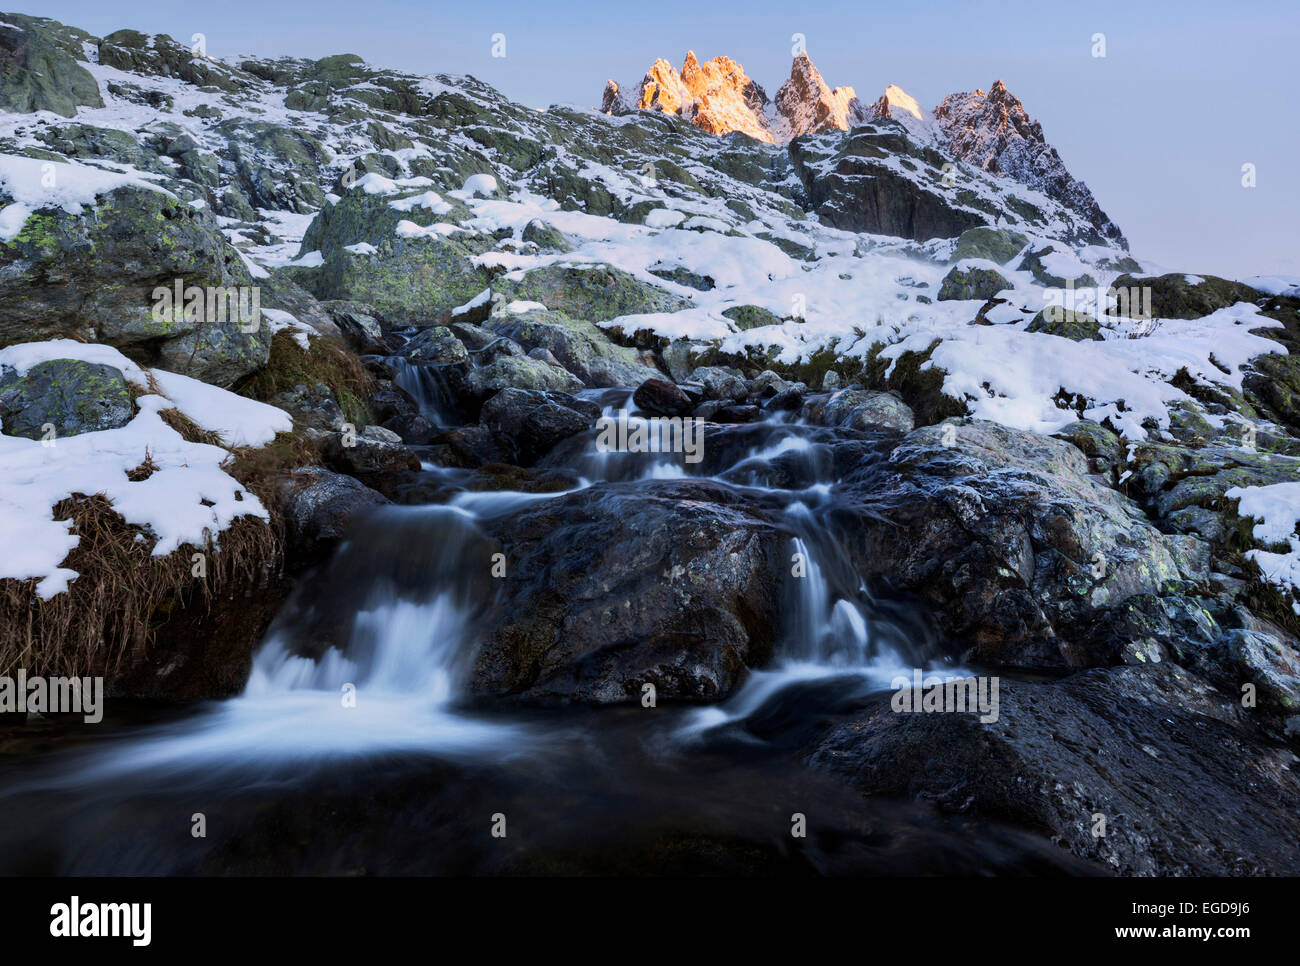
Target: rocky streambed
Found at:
643, 663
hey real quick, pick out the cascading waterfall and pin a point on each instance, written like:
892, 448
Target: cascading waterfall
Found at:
369, 654
428, 386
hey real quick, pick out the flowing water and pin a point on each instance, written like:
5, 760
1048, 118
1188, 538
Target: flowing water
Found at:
354, 746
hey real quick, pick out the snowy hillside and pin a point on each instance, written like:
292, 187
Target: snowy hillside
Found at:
814, 236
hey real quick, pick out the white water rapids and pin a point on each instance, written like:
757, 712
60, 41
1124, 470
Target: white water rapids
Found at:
393, 687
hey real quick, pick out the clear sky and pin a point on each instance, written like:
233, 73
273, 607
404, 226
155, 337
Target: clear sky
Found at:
1188, 92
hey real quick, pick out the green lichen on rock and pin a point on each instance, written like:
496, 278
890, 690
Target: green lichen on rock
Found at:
683, 276
1076, 326
65, 396
519, 372
94, 275
998, 245
372, 218
583, 348
409, 280
751, 316
39, 69
546, 237
1181, 296
965, 281
596, 293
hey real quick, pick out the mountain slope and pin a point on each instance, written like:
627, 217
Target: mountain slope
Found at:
992, 131
345, 191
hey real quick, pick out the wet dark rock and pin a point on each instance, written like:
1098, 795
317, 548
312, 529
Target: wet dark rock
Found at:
474, 336
659, 397
320, 506
736, 414
617, 586
362, 330
436, 346
720, 383
375, 455
861, 409
533, 421
498, 347
788, 400
313, 406
1005, 534
1184, 782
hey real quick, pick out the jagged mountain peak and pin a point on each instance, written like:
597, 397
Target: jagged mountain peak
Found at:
716, 96
894, 101
806, 104
994, 132
719, 97
988, 129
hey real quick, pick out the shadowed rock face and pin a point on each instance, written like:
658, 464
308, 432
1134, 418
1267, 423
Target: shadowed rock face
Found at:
38, 64
620, 585
1184, 784
1019, 551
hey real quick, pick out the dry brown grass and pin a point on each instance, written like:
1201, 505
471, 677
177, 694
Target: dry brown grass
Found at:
327, 361
190, 431
111, 613
264, 469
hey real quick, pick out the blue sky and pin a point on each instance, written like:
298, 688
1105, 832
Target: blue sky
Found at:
1159, 128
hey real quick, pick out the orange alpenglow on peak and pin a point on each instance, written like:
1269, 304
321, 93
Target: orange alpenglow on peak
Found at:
716, 96
719, 97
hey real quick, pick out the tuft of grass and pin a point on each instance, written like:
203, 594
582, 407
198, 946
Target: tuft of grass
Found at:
111, 614
1260, 596
921, 388
146, 469
262, 469
327, 360
190, 431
